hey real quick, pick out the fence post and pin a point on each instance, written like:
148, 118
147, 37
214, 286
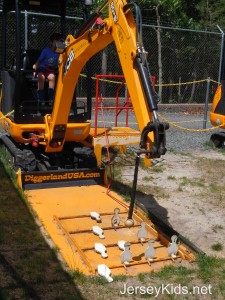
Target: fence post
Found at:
25, 30
179, 90
221, 53
206, 103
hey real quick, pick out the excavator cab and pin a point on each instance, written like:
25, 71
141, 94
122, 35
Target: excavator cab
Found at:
22, 118
19, 83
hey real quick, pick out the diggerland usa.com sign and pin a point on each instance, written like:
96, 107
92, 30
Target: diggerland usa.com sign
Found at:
33, 178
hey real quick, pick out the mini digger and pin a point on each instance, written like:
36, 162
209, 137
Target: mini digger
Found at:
51, 137
52, 147
217, 114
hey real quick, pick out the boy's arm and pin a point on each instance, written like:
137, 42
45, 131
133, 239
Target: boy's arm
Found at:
35, 66
39, 60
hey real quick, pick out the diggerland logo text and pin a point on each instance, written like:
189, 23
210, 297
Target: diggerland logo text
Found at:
57, 177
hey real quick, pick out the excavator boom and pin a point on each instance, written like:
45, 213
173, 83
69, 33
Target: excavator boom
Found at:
119, 27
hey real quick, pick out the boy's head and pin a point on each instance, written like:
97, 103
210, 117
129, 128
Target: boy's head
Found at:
55, 37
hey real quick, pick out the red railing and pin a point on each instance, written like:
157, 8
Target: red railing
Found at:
127, 106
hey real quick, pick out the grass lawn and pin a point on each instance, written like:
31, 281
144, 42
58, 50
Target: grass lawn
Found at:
29, 269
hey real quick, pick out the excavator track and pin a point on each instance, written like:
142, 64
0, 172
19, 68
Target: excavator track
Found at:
218, 139
21, 158
37, 169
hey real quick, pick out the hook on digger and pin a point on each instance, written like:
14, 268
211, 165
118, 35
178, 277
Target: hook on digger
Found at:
159, 145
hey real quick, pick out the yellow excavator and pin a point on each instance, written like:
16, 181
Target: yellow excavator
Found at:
55, 139
217, 114
52, 147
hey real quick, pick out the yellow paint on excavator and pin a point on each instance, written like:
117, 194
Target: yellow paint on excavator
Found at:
65, 215
116, 137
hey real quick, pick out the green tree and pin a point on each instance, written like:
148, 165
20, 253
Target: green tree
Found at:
212, 14
173, 12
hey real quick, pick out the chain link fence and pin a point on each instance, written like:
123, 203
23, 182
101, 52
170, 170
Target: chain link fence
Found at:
181, 60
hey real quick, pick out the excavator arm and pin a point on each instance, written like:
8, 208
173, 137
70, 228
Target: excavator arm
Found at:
119, 27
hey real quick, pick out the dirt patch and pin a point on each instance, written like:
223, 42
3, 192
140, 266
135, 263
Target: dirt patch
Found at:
187, 192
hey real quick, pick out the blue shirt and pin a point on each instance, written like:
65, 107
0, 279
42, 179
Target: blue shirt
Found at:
48, 58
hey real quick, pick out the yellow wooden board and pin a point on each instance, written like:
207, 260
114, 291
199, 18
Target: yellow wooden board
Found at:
66, 202
65, 215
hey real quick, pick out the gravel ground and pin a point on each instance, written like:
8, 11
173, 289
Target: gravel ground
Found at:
182, 140
179, 140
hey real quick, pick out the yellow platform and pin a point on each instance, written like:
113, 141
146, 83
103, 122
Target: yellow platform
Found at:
65, 214
113, 137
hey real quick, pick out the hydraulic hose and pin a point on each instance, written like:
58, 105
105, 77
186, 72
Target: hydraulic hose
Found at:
144, 75
141, 61
139, 39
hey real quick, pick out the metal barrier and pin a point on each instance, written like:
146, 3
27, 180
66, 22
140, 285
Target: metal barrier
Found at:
119, 80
